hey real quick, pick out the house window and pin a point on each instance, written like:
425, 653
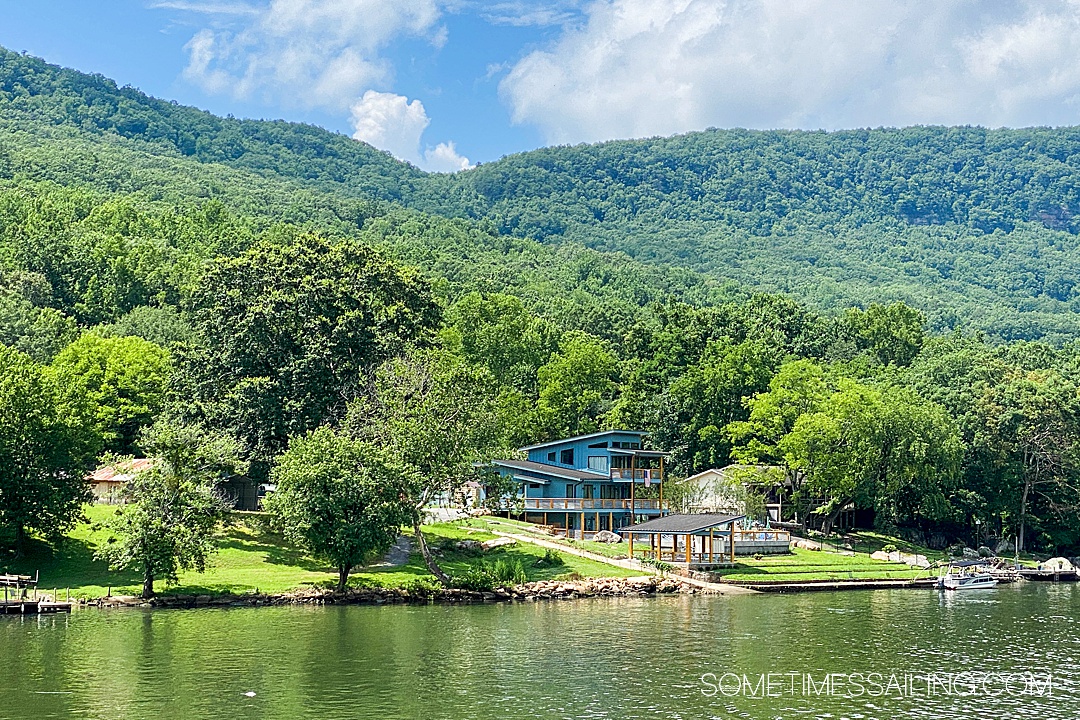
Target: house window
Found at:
626, 445
566, 457
570, 490
587, 491
551, 456
599, 445
599, 463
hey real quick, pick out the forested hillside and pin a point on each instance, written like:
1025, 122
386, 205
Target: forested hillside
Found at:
962, 222
972, 226
198, 288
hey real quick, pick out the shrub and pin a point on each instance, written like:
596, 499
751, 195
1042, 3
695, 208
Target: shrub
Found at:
574, 576
985, 552
425, 586
888, 548
508, 572
475, 578
484, 577
551, 558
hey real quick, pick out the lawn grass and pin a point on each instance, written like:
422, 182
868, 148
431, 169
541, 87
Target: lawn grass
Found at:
251, 556
815, 566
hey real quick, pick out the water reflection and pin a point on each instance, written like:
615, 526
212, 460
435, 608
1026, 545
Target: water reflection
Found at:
631, 658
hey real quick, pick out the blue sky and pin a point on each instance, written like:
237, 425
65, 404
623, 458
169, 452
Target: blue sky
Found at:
446, 83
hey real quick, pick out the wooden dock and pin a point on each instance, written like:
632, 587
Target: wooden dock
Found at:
21, 597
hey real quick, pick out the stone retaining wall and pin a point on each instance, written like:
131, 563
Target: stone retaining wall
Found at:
541, 590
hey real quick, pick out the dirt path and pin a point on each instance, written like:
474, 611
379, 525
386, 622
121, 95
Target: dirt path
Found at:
397, 555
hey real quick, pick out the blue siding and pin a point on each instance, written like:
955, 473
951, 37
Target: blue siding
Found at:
553, 454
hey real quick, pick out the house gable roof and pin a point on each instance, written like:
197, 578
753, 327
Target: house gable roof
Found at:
576, 438
682, 524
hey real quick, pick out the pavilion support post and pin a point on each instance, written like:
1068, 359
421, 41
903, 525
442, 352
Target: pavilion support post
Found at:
711, 544
733, 542
688, 538
631, 536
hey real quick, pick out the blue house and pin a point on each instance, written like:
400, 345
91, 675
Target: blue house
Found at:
584, 484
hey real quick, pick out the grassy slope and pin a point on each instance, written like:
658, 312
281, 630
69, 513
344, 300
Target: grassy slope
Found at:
251, 556
799, 566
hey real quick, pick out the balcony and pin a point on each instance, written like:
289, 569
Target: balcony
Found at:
593, 504
655, 474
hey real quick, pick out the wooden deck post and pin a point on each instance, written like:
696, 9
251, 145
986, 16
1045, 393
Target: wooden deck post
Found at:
633, 483
732, 541
631, 536
711, 542
688, 536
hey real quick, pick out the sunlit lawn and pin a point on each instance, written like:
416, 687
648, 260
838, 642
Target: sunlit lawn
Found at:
253, 557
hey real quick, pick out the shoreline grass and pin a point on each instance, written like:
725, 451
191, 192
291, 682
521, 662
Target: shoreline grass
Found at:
251, 556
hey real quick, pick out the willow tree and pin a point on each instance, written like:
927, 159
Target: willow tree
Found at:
436, 414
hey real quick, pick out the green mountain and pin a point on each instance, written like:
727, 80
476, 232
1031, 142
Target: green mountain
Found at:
975, 227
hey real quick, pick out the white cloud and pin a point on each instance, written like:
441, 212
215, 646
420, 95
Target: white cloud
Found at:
444, 158
394, 123
312, 53
655, 67
322, 53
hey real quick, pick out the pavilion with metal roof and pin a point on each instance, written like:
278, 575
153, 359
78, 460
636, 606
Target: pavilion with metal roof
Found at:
694, 541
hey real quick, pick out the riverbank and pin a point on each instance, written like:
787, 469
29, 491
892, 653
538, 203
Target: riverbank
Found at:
253, 560
642, 586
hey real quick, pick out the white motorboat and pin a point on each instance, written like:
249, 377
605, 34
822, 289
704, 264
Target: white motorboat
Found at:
967, 575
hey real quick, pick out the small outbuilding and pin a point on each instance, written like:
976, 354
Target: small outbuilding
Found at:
698, 541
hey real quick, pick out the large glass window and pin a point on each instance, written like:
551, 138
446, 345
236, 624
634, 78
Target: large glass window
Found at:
566, 457
599, 463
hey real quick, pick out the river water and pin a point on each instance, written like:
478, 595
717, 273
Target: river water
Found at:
865, 654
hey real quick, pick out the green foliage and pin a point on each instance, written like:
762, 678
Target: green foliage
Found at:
576, 387
339, 498
174, 507
286, 336
44, 453
114, 385
892, 334
435, 413
484, 577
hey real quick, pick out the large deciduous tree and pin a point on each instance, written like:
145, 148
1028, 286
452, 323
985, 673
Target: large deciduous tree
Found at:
43, 453
287, 334
576, 386
1032, 429
340, 498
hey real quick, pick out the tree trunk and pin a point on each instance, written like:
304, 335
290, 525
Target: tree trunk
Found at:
1023, 517
342, 577
148, 585
20, 540
429, 560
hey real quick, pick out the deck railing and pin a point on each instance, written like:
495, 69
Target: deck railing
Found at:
749, 536
655, 474
593, 504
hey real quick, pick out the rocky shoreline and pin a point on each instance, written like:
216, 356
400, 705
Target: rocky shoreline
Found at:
528, 592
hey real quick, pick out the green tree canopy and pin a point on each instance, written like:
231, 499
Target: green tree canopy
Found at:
174, 507
114, 385
340, 498
286, 335
43, 453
